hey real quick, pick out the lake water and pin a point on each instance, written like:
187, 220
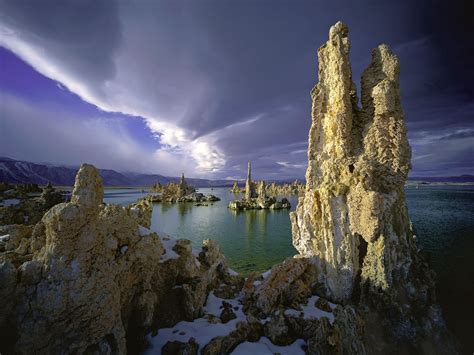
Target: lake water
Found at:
443, 217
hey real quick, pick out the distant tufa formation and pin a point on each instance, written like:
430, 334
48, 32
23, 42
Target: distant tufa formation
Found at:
353, 218
249, 186
181, 192
29, 208
256, 198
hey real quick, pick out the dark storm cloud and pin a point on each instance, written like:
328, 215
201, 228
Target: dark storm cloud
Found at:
228, 81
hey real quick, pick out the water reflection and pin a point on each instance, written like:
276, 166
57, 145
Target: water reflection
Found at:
183, 208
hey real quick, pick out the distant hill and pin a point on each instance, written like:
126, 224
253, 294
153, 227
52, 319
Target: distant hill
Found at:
457, 179
19, 172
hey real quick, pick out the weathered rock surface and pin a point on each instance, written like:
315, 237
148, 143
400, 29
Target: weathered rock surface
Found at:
295, 188
89, 277
249, 185
353, 219
235, 188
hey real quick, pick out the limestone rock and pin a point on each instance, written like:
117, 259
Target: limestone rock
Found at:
352, 219
249, 185
235, 188
90, 278
287, 283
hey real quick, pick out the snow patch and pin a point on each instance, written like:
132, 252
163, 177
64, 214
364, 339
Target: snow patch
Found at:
142, 231
232, 272
214, 306
266, 273
168, 244
199, 329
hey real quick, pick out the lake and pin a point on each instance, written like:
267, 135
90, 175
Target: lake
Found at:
443, 217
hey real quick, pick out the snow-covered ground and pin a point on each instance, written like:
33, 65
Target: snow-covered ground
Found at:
200, 329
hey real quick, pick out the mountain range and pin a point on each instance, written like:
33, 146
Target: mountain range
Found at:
19, 172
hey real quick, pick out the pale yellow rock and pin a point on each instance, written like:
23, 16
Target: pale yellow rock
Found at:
358, 162
91, 277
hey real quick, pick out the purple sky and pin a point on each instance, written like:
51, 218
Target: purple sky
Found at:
202, 87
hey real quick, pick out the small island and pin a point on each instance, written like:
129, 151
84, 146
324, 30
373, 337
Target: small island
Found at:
257, 198
179, 192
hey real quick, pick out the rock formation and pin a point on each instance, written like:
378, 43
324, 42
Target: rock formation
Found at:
235, 188
90, 278
257, 199
261, 190
353, 220
158, 187
249, 186
173, 192
29, 208
295, 188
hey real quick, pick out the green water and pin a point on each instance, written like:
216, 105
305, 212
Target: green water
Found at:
443, 217
251, 240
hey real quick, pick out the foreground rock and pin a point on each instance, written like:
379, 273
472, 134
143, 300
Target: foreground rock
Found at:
353, 219
89, 278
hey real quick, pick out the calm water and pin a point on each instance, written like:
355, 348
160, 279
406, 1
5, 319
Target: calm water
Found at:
443, 217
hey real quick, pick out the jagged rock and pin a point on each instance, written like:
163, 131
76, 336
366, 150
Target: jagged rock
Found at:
251, 331
30, 209
353, 219
295, 188
249, 185
235, 188
179, 348
89, 278
141, 211
277, 330
158, 187
283, 285
227, 313
88, 191
257, 199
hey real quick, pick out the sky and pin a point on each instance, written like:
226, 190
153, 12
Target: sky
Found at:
202, 87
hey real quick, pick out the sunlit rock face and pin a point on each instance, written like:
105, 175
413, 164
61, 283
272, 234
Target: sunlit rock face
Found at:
353, 216
249, 185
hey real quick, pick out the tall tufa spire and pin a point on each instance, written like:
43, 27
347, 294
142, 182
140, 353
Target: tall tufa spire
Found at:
249, 188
